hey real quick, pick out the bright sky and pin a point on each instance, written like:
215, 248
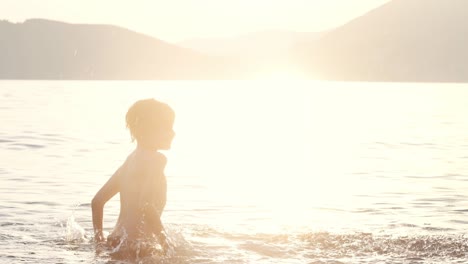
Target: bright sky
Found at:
176, 20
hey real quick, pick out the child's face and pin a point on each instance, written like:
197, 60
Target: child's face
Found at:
160, 138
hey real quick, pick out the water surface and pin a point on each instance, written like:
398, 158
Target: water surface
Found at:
259, 172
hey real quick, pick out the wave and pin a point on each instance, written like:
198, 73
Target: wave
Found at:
347, 245
316, 247
204, 244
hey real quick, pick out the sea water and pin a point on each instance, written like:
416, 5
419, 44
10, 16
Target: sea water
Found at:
283, 171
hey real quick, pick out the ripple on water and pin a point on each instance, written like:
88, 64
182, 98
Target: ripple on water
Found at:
329, 247
31, 140
11, 224
28, 146
424, 247
209, 245
19, 179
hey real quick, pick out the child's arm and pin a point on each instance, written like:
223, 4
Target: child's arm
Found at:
111, 188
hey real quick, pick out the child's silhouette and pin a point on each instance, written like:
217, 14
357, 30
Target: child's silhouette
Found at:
140, 181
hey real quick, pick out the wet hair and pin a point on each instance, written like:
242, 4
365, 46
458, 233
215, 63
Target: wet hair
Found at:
148, 115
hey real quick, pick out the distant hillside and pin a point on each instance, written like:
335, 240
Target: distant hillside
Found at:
42, 49
404, 40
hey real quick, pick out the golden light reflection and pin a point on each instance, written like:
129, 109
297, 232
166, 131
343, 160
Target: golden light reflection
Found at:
251, 153
283, 75
278, 154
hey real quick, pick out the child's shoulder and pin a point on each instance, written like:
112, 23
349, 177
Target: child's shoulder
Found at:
149, 160
147, 155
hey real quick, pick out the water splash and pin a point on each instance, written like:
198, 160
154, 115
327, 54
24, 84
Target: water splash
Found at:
73, 231
148, 250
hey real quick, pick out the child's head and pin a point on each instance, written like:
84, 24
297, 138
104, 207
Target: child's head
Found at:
150, 123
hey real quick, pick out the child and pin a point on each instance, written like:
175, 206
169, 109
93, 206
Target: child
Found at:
140, 180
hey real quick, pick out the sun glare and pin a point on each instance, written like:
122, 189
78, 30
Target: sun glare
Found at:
283, 75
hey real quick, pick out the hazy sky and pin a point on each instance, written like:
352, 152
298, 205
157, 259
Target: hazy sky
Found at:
175, 20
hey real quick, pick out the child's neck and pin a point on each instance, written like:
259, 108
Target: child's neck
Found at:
145, 148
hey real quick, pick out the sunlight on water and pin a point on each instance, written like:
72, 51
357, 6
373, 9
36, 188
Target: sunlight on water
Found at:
280, 152
278, 171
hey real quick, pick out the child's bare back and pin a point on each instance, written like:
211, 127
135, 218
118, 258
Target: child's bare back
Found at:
142, 195
140, 180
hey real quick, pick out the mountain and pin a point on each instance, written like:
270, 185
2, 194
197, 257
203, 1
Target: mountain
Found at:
44, 49
403, 40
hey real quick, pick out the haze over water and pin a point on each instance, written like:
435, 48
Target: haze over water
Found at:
260, 171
